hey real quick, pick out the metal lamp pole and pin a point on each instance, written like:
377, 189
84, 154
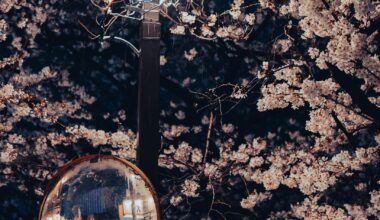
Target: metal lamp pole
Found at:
148, 93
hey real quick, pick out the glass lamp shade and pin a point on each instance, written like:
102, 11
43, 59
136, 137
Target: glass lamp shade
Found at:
100, 187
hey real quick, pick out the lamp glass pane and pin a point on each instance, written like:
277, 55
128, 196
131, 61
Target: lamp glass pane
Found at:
100, 188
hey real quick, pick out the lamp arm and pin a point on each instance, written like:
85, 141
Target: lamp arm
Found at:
126, 42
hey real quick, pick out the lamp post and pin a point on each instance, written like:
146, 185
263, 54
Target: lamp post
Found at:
148, 94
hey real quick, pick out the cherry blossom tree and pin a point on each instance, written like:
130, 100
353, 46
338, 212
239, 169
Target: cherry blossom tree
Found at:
269, 109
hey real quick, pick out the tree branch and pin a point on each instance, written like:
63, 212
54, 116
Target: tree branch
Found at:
340, 125
352, 87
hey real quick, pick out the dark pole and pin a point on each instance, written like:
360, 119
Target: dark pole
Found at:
149, 89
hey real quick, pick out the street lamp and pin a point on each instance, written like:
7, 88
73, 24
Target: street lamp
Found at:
100, 187
106, 187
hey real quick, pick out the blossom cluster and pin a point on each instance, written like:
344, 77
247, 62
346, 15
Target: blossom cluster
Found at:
233, 24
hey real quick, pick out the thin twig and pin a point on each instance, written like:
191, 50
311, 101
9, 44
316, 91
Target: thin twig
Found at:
212, 202
94, 36
208, 136
245, 184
